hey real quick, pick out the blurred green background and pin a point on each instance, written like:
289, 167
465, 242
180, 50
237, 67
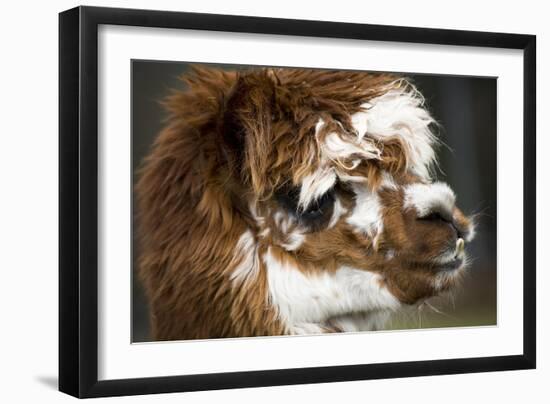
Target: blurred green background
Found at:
466, 109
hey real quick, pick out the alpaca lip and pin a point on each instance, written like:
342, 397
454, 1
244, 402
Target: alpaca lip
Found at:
452, 265
457, 260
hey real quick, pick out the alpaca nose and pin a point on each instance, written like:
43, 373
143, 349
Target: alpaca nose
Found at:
459, 234
445, 219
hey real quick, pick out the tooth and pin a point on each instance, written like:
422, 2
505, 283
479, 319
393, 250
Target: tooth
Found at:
459, 247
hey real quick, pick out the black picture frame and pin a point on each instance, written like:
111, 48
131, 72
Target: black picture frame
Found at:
78, 201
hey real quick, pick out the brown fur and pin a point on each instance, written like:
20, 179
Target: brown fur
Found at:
239, 137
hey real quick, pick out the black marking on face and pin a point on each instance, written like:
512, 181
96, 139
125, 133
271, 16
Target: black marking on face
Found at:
315, 216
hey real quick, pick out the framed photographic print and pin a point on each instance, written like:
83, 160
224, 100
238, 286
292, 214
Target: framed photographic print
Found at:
250, 201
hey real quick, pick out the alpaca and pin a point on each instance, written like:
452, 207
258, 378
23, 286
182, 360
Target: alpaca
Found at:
282, 201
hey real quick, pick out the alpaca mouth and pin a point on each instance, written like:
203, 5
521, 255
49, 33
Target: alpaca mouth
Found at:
457, 258
452, 265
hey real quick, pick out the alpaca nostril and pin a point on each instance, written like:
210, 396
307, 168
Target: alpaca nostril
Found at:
456, 230
443, 218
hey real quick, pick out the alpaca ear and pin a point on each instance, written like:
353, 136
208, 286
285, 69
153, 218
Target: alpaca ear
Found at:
246, 129
233, 130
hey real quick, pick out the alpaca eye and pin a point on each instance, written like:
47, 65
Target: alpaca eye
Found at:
318, 208
312, 212
315, 212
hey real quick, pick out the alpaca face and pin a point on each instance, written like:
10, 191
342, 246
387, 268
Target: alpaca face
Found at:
357, 212
408, 232
293, 201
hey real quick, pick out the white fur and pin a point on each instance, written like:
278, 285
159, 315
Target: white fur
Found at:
351, 178
337, 212
449, 256
471, 232
260, 220
388, 181
340, 146
374, 320
318, 126
293, 238
314, 298
444, 258
282, 221
445, 276
427, 198
400, 113
305, 329
315, 185
367, 214
246, 260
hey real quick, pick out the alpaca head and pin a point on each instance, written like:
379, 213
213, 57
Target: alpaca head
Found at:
320, 185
